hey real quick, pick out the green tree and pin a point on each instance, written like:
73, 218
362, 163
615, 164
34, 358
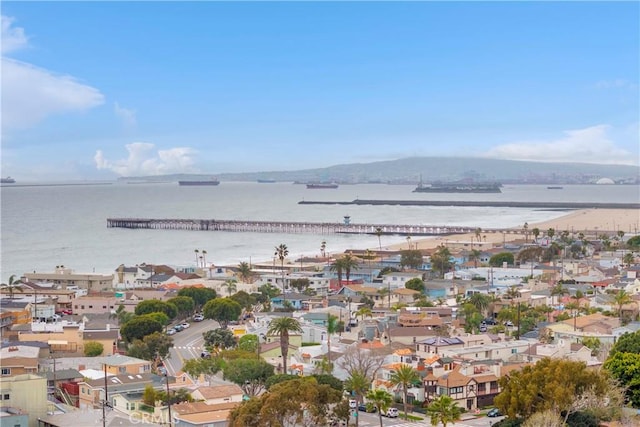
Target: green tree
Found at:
279, 378
185, 305
499, 259
625, 367
149, 395
480, 301
244, 272
593, 343
156, 306
248, 342
364, 311
411, 258
332, 328
381, 399
474, 256
222, 310
158, 316
250, 374
231, 285
139, 327
444, 410
379, 233
536, 233
246, 301
629, 258
208, 367
152, 347
627, 343
416, 284
358, 384
329, 380
551, 232
558, 290
199, 295
441, 261
621, 298
93, 349
219, 338
634, 242
299, 284
554, 384
404, 378
281, 327
123, 315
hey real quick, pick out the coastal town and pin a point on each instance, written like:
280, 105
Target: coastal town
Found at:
532, 326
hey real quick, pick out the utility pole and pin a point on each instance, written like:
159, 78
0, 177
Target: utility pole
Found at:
104, 401
168, 398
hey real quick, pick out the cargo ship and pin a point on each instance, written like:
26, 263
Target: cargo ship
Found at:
211, 181
459, 187
320, 185
7, 180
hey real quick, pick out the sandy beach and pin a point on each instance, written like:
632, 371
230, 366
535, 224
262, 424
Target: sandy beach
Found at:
589, 221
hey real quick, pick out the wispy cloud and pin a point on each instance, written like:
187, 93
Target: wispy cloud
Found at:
589, 145
126, 115
144, 159
13, 38
31, 94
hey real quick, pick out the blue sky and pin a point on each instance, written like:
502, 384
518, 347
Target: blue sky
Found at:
99, 90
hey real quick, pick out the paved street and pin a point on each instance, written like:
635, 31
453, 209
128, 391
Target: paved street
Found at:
372, 420
188, 344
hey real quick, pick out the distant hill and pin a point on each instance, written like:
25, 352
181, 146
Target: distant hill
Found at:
411, 170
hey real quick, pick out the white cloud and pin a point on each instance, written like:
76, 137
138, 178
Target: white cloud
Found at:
145, 160
589, 145
30, 94
127, 115
616, 84
12, 38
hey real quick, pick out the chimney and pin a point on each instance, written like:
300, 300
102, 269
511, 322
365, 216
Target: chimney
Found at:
81, 367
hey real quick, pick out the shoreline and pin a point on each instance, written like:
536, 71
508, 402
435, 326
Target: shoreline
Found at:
591, 221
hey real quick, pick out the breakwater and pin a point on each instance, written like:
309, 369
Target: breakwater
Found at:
293, 227
500, 204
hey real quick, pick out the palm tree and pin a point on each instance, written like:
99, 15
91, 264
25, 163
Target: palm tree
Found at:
358, 384
231, 286
349, 262
621, 298
281, 327
379, 233
480, 302
12, 285
525, 228
323, 248
204, 258
332, 328
558, 290
380, 399
628, 259
244, 271
196, 251
475, 256
536, 233
512, 293
404, 378
550, 233
444, 410
281, 252
364, 311
387, 292
337, 266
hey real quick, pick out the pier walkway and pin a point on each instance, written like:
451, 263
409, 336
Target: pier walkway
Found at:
292, 227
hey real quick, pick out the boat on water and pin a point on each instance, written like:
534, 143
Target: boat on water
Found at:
459, 187
212, 181
266, 181
554, 187
7, 180
321, 185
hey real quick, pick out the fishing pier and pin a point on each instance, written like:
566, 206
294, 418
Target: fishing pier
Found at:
291, 227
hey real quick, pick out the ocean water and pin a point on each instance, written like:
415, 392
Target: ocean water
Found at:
46, 226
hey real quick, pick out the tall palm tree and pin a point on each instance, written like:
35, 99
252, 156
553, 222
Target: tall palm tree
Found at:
387, 292
379, 233
323, 248
364, 311
380, 399
196, 251
480, 302
621, 298
404, 378
558, 290
628, 258
281, 252
204, 258
338, 267
536, 233
281, 327
12, 285
349, 262
369, 255
512, 293
358, 384
444, 410
475, 256
231, 285
332, 327
244, 271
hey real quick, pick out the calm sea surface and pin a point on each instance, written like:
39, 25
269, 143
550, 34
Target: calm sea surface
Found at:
45, 226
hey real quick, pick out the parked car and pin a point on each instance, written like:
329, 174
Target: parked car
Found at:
184, 325
67, 312
391, 413
171, 331
363, 408
205, 354
495, 412
508, 323
178, 328
198, 318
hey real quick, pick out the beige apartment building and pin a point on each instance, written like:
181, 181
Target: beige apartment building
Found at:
65, 277
27, 392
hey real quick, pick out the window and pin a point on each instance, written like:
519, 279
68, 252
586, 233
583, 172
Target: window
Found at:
90, 306
6, 397
83, 307
6, 371
104, 307
514, 350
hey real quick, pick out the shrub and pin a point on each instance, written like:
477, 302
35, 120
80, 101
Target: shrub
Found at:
93, 349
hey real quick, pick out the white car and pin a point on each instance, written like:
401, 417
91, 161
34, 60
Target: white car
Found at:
198, 318
171, 331
185, 325
391, 413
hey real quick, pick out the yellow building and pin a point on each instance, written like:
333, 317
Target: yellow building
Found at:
26, 392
